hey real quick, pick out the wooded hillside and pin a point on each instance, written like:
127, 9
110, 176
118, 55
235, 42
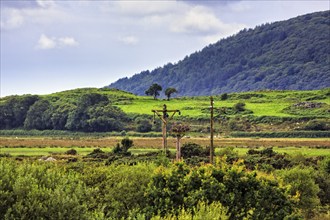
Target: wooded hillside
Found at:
292, 54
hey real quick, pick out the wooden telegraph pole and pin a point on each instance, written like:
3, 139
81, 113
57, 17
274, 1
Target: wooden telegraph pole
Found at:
211, 131
162, 114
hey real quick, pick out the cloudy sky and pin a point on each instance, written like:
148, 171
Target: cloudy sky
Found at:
49, 46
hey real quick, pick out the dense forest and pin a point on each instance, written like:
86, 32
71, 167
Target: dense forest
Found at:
292, 54
88, 110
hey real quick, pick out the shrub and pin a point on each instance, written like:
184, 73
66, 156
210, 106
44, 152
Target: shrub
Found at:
239, 107
317, 125
71, 152
191, 149
224, 96
233, 187
41, 191
303, 185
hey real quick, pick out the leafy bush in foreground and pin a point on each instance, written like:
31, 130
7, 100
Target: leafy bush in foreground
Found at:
41, 191
242, 193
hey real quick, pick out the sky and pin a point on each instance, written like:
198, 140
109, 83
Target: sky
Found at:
49, 46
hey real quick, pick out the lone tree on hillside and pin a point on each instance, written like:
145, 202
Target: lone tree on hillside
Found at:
154, 90
169, 92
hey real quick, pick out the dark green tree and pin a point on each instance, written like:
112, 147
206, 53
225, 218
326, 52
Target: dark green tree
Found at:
13, 112
169, 92
224, 96
39, 116
154, 90
94, 113
143, 125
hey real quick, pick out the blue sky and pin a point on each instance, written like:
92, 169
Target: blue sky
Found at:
49, 46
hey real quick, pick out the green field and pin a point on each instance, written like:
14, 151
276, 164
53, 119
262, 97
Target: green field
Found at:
48, 151
262, 103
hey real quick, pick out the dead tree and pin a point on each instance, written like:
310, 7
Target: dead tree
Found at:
179, 130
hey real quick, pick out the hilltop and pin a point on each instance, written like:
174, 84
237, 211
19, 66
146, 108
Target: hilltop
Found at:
285, 55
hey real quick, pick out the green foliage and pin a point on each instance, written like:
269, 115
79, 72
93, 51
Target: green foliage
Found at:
292, 54
13, 111
39, 116
40, 191
143, 124
239, 107
308, 109
317, 125
242, 193
239, 124
117, 190
86, 190
202, 211
154, 90
189, 150
169, 92
71, 152
229, 153
112, 111
126, 144
86, 111
94, 113
224, 96
266, 160
302, 182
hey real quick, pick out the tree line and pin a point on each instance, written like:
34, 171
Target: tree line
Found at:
91, 112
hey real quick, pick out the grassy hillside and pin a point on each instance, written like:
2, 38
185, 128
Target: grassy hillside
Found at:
110, 110
261, 103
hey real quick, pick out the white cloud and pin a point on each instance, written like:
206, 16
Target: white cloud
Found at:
11, 18
201, 20
43, 13
67, 41
45, 3
139, 8
129, 40
46, 43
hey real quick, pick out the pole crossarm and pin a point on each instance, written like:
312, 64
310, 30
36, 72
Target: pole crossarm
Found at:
164, 117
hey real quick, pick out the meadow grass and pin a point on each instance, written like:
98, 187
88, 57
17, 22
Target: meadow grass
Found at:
48, 151
272, 103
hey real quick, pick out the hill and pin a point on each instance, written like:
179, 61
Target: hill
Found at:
107, 110
286, 55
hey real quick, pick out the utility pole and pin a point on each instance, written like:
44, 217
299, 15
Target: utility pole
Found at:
162, 114
211, 131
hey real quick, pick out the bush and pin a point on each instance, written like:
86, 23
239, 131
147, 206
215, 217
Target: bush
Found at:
303, 185
239, 107
41, 191
317, 125
224, 96
143, 125
71, 152
233, 187
191, 149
